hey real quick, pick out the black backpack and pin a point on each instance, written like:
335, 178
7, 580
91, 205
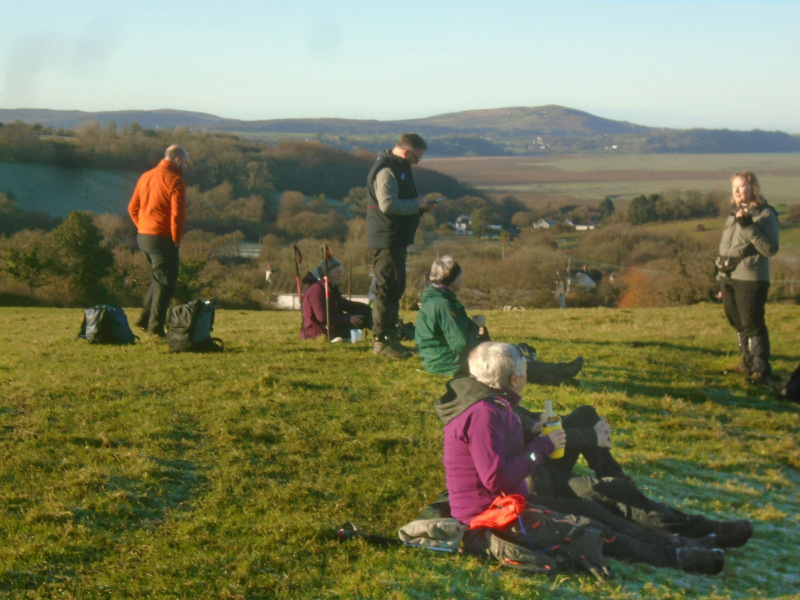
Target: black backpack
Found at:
790, 389
106, 324
189, 327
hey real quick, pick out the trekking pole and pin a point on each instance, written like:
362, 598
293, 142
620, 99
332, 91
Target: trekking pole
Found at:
327, 254
348, 531
298, 259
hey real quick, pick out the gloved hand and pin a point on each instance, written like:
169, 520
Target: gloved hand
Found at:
743, 218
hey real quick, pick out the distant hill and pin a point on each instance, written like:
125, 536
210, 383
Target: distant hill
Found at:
492, 132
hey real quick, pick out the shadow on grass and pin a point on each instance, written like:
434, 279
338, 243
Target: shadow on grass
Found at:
115, 504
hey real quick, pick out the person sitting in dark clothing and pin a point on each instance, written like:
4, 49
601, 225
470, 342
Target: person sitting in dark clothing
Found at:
611, 496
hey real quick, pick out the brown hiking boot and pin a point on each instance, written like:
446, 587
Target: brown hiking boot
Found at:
384, 347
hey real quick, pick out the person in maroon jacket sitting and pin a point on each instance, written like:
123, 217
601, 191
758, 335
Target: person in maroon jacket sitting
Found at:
344, 314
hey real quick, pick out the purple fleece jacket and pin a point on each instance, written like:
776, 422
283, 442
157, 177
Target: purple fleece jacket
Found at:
484, 451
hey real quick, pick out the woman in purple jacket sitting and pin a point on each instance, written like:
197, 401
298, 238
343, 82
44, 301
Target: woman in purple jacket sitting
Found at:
485, 456
344, 314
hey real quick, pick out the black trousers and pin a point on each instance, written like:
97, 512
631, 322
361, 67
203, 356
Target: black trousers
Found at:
744, 303
343, 331
389, 266
610, 497
163, 256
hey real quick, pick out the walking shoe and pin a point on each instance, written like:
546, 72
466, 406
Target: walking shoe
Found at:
385, 349
141, 324
733, 534
694, 559
758, 379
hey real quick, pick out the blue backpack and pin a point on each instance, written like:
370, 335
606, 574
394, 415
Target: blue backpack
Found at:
106, 324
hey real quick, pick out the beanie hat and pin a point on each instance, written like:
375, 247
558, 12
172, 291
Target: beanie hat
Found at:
319, 270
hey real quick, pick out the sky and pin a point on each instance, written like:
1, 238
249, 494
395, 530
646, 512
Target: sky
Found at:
662, 63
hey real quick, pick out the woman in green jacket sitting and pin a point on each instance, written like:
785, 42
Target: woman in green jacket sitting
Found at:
445, 335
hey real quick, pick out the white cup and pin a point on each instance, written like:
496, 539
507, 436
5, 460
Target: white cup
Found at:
355, 335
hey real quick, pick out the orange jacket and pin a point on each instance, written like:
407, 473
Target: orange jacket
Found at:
158, 204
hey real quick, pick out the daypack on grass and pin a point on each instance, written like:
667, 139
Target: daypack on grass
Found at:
540, 541
189, 327
532, 539
106, 324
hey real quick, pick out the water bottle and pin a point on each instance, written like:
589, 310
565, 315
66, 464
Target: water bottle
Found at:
550, 422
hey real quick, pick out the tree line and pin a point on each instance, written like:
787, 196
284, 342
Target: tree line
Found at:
236, 192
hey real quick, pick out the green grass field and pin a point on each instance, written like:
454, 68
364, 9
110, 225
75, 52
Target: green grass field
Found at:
129, 472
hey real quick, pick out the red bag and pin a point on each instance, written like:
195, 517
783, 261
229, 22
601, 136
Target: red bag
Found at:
502, 511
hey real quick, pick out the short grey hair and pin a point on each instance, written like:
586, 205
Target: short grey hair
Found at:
493, 363
175, 151
444, 270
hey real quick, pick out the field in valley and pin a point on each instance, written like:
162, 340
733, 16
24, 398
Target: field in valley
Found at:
590, 178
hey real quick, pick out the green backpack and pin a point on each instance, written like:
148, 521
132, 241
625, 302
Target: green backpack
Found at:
189, 327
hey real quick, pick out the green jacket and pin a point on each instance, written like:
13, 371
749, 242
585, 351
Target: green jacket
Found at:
445, 335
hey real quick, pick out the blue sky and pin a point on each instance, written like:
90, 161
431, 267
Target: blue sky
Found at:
732, 64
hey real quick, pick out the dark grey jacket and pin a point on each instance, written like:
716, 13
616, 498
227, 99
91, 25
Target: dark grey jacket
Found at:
756, 243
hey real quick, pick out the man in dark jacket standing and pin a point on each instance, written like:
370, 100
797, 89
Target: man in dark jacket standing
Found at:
392, 219
158, 209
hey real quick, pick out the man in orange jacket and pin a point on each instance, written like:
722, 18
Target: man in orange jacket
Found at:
158, 209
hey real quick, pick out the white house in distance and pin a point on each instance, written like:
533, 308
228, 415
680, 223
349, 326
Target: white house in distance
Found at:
545, 224
584, 225
462, 224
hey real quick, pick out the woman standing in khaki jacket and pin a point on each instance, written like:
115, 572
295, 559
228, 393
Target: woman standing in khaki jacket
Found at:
750, 237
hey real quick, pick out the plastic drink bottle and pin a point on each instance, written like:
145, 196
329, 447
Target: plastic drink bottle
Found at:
550, 422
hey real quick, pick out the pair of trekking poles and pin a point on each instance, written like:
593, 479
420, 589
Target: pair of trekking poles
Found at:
327, 255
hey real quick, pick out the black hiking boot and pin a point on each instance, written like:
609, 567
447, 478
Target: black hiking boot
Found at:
383, 347
732, 534
571, 369
695, 559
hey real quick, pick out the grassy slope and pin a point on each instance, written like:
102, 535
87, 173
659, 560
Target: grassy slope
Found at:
58, 191
133, 473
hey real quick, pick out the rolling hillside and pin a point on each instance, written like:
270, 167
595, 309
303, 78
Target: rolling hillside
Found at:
517, 130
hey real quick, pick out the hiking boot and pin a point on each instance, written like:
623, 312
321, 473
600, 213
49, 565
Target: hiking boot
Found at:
528, 351
571, 369
694, 559
383, 347
732, 534
394, 342
741, 369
